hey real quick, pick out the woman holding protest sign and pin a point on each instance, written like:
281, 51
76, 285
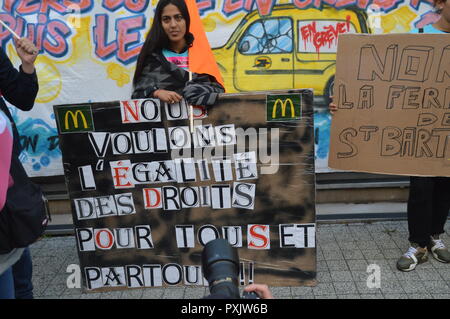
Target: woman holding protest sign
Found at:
429, 200
162, 69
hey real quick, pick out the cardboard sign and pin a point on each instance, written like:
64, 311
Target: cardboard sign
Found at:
393, 95
147, 193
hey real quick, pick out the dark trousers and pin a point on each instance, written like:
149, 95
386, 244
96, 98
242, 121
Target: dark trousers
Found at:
22, 274
428, 206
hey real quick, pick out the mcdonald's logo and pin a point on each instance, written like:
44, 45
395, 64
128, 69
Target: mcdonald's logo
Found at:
283, 107
75, 119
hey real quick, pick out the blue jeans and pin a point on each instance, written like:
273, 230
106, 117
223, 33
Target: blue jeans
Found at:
16, 281
23, 274
7, 284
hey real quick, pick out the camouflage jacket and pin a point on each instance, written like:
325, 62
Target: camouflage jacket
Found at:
159, 73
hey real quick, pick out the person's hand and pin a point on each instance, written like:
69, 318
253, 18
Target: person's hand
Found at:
167, 96
332, 107
27, 52
261, 290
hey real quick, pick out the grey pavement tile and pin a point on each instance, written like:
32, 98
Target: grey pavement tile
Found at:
437, 286
372, 296
75, 296
340, 227
112, 294
53, 252
391, 287
53, 290
319, 255
72, 291
384, 241
403, 244
323, 276
341, 275
354, 296
387, 244
359, 227
173, 293
72, 260
325, 238
375, 226
334, 265
46, 271
439, 265
96, 295
279, 292
153, 293
372, 254
323, 289
345, 288
362, 288
38, 291
195, 292
426, 265
363, 244
427, 274
59, 279
40, 280
420, 296
414, 287
391, 253
410, 276
384, 264
330, 296
304, 297
333, 255
132, 294
400, 237
440, 296
54, 297
388, 274
301, 291
350, 245
330, 247
360, 275
357, 264
343, 239
363, 237
396, 296
351, 254
321, 265
324, 231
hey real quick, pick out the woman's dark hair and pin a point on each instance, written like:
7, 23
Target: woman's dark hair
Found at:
157, 39
435, 3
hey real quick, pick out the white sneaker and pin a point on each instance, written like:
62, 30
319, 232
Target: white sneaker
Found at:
438, 250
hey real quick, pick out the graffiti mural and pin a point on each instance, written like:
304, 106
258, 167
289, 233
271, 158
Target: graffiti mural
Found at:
88, 50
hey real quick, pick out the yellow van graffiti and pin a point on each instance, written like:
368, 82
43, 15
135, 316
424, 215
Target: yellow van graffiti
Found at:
291, 48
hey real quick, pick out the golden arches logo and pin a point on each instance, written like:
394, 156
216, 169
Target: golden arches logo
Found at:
74, 117
283, 105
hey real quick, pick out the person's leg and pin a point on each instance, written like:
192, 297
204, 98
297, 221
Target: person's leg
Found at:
440, 215
7, 284
420, 207
441, 205
23, 273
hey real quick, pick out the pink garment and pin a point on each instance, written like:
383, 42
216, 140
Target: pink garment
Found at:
6, 142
